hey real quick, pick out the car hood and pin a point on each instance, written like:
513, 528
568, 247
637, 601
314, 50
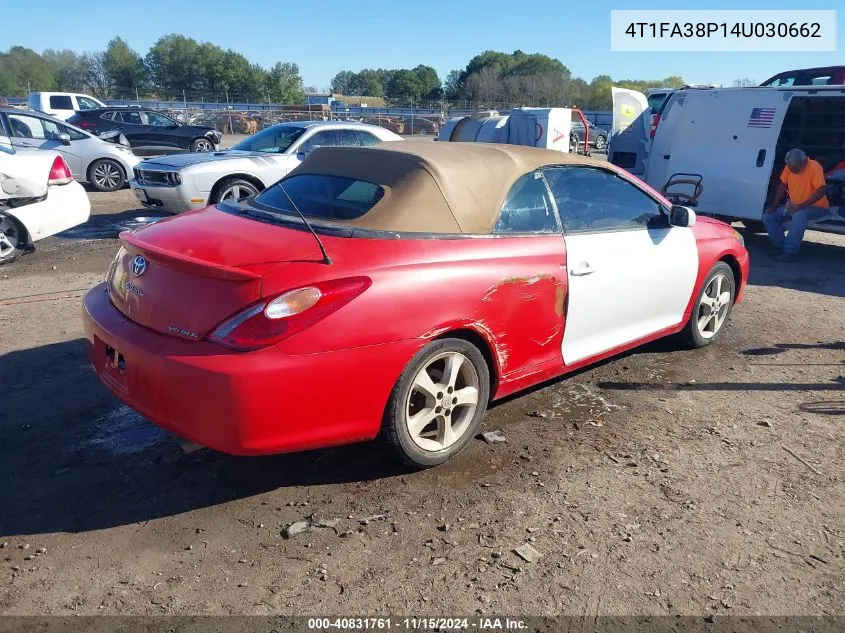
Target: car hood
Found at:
196, 158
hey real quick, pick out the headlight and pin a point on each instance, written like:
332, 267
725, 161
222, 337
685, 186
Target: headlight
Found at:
176, 178
738, 236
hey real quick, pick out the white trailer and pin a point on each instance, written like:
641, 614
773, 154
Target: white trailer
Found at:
735, 140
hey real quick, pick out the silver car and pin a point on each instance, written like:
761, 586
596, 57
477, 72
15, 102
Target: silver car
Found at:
105, 165
191, 181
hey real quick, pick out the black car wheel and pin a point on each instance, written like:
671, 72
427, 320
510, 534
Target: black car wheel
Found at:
601, 141
106, 175
202, 145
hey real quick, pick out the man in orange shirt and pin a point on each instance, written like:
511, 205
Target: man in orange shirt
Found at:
803, 181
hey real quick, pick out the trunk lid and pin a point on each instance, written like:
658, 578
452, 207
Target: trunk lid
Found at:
184, 275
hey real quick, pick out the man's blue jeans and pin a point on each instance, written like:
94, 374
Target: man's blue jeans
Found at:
795, 223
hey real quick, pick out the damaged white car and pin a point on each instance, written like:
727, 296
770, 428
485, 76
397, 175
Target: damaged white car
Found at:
38, 198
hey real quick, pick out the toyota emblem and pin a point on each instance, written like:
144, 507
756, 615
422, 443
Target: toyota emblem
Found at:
139, 266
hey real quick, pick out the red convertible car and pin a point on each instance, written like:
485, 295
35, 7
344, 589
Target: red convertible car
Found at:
396, 290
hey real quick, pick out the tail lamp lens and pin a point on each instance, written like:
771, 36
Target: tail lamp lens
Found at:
59, 172
271, 321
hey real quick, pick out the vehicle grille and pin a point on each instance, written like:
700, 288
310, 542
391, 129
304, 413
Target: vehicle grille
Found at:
147, 177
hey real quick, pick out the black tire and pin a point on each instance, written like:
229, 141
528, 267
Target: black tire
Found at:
755, 226
15, 233
394, 427
691, 334
202, 145
601, 141
230, 183
105, 174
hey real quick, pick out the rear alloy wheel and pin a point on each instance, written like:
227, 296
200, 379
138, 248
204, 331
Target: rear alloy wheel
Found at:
12, 240
438, 403
712, 307
106, 175
202, 145
235, 189
601, 141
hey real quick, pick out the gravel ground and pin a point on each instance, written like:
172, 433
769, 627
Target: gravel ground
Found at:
663, 482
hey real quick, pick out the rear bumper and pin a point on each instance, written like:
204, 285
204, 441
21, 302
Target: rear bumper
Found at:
65, 207
252, 403
176, 199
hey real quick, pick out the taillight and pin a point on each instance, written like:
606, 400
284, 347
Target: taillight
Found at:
59, 172
272, 320
85, 125
655, 119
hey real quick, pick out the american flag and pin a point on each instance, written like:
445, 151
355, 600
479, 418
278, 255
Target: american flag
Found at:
761, 117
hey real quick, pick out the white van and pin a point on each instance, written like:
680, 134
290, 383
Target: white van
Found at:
733, 140
62, 105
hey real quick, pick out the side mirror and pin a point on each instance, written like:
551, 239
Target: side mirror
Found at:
302, 154
681, 216
64, 137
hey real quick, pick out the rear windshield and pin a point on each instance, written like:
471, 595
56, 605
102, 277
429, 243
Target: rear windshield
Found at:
323, 197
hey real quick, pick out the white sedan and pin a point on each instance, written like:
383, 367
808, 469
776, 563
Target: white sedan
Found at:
38, 198
191, 181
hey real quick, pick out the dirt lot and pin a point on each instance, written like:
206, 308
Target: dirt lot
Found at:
658, 483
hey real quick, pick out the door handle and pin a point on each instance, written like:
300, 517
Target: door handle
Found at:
761, 157
582, 270
25, 144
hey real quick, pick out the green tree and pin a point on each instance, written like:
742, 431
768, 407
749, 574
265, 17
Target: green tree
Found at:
367, 83
404, 87
98, 79
342, 81
27, 70
452, 87
124, 67
284, 83
70, 69
429, 82
173, 63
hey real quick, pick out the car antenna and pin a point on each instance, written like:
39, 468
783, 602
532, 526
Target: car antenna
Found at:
326, 259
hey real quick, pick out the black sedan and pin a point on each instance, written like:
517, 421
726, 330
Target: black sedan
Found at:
150, 133
598, 136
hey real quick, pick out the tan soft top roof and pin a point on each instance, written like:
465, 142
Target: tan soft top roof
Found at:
435, 187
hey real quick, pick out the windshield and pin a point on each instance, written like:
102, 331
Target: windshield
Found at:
323, 197
273, 140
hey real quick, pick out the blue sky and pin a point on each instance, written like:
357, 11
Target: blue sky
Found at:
326, 36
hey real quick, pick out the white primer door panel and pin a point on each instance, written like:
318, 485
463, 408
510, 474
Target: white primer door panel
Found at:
625, 285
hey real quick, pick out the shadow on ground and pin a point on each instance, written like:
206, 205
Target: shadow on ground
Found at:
109, 226
820, 269
75, 459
